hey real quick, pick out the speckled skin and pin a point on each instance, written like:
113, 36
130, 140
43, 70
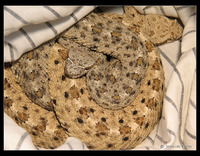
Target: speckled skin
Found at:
80, 59
31, 73
113, 84
155, 28
41, 124
98, 126
77, 111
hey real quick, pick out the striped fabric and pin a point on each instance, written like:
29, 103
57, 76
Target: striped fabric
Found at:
33, 25
177, 128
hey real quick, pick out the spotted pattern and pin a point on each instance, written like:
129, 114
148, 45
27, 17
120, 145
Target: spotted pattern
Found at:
41, 124
114, 50
31, 73
156, 28
100, 128
113, 83
97, 127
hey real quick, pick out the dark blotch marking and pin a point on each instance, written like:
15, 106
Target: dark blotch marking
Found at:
90, 147
63, 77
107, 45
127, 47
55, 138
54, 101
115, 91
100, 24
109, 22
141, 44
25, 107
42, 118
80, 120
92, 110
16, 119
56, 62
131, 63
118, 28
102, 133
121, 121
66, 95
146, 125
127, 55
82, 91
118, 39
135, 112
143, 100
103, 119
86, 132
94, 47
108, 57
52, 147
96, 39
125, 139
113, 42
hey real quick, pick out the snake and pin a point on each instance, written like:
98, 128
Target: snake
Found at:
101, 81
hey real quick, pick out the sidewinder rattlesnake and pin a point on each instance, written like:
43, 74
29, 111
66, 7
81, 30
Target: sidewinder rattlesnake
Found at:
101, 81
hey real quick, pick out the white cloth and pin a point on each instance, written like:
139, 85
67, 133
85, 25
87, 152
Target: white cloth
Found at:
177, 128
27, 27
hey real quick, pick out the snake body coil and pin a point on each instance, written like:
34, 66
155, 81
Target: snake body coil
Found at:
102, 81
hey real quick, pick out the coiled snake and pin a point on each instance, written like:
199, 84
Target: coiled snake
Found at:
101, 81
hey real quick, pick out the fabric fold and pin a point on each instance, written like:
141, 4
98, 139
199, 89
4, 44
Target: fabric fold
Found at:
27, 27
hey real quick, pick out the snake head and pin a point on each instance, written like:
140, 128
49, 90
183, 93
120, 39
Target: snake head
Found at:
79, 63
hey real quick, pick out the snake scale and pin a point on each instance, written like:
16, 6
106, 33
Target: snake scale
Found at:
101, 81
